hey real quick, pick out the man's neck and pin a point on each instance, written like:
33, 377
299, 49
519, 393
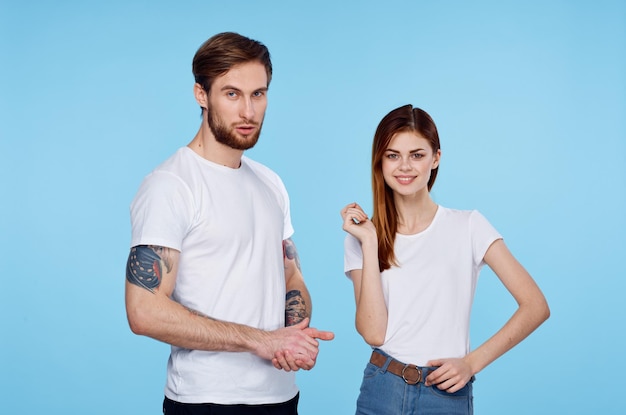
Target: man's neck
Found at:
206, 146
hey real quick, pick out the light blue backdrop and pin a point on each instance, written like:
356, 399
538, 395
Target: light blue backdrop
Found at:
530, 101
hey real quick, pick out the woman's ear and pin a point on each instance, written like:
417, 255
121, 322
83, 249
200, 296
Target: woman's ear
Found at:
436, 158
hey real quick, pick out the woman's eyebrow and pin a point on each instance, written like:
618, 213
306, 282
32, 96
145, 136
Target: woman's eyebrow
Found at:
410, 151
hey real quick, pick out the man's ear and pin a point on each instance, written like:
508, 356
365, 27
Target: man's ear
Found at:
201, 95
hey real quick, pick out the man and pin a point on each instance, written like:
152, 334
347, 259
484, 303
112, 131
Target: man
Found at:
212, 269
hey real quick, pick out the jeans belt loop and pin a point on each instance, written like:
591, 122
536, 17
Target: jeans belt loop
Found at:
386, 364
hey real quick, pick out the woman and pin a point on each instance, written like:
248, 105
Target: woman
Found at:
414, 266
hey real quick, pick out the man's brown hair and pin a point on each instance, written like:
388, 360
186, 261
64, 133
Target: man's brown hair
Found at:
221, 52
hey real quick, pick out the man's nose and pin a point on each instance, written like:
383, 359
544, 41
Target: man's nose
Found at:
247, 109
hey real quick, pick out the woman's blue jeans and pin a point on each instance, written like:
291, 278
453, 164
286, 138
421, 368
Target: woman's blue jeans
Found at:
383, 393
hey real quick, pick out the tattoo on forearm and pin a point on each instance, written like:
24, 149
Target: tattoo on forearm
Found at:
295, 308
290, 252
144, 266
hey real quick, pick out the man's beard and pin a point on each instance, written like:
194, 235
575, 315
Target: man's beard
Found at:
229, 137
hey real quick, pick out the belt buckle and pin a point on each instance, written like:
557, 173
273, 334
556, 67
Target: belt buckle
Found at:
408, 380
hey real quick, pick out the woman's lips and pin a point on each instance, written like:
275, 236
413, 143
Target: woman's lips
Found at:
405, 179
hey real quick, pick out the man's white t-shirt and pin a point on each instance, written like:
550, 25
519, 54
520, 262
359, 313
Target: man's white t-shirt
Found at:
429, 295
228, 225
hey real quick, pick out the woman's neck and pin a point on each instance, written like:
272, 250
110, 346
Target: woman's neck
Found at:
415, 215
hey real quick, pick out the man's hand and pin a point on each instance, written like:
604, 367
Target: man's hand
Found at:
299, 346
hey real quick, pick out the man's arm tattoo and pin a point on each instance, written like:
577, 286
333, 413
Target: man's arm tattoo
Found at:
144, 266
290, 252
295, 308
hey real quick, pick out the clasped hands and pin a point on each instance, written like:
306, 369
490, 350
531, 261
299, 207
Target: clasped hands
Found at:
296, 347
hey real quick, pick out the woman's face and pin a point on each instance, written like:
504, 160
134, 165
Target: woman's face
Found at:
407, 163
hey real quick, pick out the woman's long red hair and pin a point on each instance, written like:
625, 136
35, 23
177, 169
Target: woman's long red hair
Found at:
385, 217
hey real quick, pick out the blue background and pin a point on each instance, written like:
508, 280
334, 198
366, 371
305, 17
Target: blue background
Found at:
530, 101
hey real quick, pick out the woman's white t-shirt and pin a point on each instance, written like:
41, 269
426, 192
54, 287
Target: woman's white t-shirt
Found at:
429, 295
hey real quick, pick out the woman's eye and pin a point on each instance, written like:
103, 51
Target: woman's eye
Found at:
417, 155
392, 156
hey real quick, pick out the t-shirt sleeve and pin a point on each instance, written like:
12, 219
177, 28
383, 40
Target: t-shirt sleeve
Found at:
161, 212
287, 226
483, 234
352, 255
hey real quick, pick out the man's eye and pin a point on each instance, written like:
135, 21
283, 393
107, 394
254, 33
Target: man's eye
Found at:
231, 94
258, 94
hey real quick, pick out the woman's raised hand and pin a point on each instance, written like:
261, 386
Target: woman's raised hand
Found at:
356, 222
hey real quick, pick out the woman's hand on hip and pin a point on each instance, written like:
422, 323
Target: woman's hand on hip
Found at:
450, 375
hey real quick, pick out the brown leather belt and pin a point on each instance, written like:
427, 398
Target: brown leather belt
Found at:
411, 374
